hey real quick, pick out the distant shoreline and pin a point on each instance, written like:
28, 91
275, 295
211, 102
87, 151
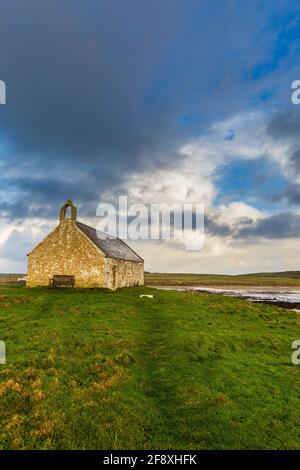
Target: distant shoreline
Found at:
283, 297
288, 279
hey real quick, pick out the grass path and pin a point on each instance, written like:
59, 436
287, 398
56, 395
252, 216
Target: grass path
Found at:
156, 365
109, 370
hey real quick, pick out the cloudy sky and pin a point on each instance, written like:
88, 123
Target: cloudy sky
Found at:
163, 101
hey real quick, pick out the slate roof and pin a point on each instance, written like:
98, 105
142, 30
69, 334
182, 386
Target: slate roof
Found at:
111, 247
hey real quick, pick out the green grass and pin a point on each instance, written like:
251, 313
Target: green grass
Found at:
97, 369
285, 279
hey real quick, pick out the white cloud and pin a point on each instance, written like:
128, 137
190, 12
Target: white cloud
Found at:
235, 211
17, 239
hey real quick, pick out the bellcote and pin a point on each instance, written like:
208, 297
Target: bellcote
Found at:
63, 212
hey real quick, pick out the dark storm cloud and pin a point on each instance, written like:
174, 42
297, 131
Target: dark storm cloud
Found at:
292, 193
295, 159
106, 84
213, 226
74, 83
279, 226
284, 225
285, 126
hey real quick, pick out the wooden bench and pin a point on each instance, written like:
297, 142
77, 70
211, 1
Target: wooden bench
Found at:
60, 280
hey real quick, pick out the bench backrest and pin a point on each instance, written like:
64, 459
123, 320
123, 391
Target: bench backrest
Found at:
63, 280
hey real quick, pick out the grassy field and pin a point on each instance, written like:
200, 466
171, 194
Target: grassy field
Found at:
284, 279
98, 369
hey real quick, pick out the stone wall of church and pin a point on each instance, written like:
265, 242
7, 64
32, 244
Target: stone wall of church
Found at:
122, 273
67, 251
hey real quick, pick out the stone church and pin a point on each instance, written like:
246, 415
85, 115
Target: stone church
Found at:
74, 250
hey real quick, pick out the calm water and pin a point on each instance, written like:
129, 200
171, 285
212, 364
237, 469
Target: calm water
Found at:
274, 295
